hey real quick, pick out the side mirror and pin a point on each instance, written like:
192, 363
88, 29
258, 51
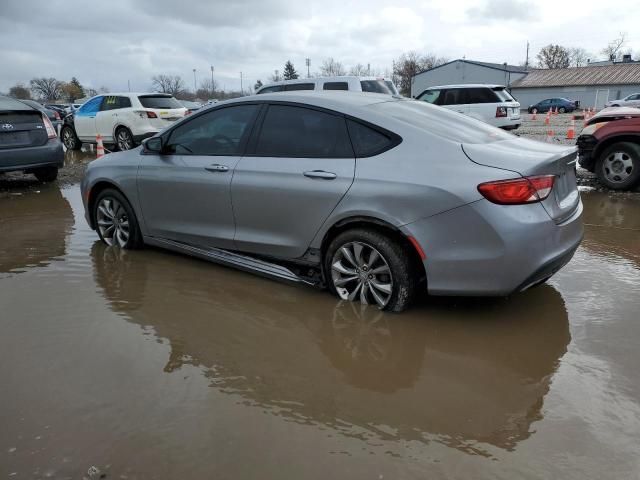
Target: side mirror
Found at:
153, 145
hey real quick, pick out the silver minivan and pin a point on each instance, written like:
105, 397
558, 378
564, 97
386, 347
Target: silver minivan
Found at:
350, 83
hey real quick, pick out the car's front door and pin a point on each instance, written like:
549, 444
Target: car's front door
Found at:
107, 117
185, 192
84, 119
292, 177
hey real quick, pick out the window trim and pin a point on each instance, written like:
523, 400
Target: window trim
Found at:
244, 141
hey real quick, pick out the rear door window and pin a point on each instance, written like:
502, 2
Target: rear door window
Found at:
223, 131
481, 95
455, 96
113, 103
299, 86
368, 141
159, 101
274, 88
335, 86
289, 131
375, 86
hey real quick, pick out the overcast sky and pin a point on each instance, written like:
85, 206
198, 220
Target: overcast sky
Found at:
107, 43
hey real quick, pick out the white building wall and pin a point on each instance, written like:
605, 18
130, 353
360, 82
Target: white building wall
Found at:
459, 72
585, 95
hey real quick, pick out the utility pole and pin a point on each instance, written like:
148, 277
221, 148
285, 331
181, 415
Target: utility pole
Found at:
368, 69
241, 89
276, 76
129, 85
194, 81
307, 62
212, 88
526, 62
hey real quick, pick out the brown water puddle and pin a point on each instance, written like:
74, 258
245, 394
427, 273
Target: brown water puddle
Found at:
148, 364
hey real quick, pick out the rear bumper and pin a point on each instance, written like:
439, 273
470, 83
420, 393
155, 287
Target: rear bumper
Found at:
493, 250
28, 158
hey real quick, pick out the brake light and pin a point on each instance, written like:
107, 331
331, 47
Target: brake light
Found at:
518, 191
501, 112
48, 126
146, 114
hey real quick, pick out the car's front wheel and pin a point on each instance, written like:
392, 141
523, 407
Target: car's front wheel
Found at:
562, 110
46, 174
69, 138
124, 139
370, 267
116, 221
619, 166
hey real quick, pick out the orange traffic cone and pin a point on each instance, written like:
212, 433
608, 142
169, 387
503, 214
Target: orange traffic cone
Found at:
547, 119
571, 133
556, 111
534, 114
100, 147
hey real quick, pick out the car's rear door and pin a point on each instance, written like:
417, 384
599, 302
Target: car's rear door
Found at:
455, 99
84, 119
298, 166
185, 192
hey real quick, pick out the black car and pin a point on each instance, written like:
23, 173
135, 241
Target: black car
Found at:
28, 141
54, 115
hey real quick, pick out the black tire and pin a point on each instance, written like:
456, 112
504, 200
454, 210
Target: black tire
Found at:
46, 174
628, 175
124, 139
134, 238
404, 273
562, 110
69, 138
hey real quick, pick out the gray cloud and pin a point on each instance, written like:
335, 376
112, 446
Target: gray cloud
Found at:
504, 10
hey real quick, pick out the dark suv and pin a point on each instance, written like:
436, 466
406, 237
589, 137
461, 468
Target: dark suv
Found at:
28, 141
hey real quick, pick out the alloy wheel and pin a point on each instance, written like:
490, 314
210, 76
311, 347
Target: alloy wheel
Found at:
124, 140
112, 222
617, 167
67, 139
360, 272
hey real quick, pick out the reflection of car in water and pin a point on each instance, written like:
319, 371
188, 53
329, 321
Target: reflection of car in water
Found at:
458, 373
613, 226
33, 228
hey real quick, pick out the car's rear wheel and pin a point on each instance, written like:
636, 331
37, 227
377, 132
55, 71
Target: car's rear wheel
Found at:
46, 174
369, 267
69, 138
562, 110
618, 167
116, 221
124, 139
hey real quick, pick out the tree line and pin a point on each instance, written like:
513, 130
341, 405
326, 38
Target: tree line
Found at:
558, 56
50, 89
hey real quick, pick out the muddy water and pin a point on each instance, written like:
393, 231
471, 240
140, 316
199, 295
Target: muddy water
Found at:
153, 365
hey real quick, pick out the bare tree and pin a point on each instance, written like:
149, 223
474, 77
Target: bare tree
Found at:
332, 68
578, 57
276, 76
613, 51
207, 89
553, 56
46, 88
90, 92
407, 65
172, 84
20, 91
359, 70
103, 89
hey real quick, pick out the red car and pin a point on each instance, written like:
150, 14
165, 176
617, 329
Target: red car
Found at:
609, 146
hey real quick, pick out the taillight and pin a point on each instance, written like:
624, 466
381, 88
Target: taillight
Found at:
146, 114
501, 112
518, 191
51, 132
188, 112
56, 114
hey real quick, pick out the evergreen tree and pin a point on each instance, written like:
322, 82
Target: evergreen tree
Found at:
289, 71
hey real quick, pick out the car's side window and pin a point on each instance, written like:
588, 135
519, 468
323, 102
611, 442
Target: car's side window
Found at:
481, 95
222, 131
124, 102
335, 86
451, 97
90, 108
430, 96
275, 88
112, 102
299, 86
366, 140
289, 131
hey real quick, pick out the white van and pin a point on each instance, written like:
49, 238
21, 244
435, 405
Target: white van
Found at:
350, 83
492, 104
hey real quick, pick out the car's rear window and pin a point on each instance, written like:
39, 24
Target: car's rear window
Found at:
503, 95
441, 122
159, 101
375, 86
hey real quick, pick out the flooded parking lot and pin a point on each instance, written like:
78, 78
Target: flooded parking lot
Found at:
147, 364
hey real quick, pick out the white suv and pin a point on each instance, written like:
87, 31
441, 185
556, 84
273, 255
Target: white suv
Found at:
122, 119
346, 82
492, 104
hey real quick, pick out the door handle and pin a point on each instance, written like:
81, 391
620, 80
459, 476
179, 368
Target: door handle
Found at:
216, 167
320, 174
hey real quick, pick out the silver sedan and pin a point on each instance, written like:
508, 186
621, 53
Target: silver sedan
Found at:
378, 198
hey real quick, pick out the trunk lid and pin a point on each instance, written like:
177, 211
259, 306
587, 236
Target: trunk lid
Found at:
22, 128
528, 158
166, 108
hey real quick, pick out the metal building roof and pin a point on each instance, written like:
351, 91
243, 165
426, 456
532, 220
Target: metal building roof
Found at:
494, 66
616, 74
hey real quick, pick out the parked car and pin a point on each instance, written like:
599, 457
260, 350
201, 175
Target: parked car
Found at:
61, 109
191, 106
122, 119
609, 146
492, 104
562, 104
436, 201
28, 141
632, 100
350, 83
53, 115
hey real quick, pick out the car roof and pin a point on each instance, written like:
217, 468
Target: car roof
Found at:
336, 78
327, 98
8, 103
469, 85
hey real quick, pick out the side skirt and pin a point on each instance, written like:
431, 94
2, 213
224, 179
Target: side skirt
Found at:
236, 260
